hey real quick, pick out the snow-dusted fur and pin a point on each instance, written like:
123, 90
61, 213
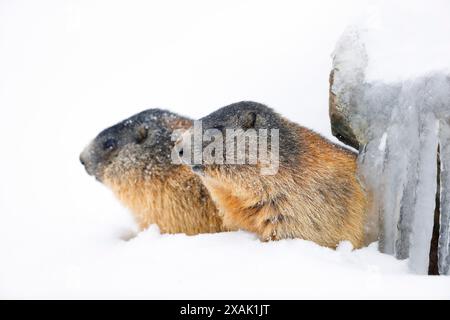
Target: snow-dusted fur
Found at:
314, 196
133, 159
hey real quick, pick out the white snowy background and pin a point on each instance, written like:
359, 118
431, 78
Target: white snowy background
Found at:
69, 69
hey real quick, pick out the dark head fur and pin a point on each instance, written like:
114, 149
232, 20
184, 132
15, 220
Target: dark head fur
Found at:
247, 115
141, 143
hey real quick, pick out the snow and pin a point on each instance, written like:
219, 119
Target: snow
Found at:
382, 145
69, 69
224, 265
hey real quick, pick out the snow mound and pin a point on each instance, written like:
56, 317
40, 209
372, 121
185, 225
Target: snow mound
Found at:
229, 265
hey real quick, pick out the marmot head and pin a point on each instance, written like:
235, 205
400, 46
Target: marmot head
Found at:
140, 146
250, 118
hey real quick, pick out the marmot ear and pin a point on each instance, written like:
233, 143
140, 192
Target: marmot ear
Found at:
248, 120
141, 133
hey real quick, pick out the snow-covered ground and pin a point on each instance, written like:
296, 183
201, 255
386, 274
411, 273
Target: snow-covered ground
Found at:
68, 69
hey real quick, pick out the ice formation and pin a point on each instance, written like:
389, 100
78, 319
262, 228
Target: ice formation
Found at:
401, 129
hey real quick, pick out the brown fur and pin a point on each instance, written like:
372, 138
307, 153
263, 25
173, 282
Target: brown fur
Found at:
318, 199
178, 203
142, 176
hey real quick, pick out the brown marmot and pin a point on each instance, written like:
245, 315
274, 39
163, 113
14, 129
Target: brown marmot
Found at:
133, 158
315, 194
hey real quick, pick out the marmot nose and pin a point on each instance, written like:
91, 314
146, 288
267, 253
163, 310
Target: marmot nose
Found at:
83, 162
197, 168
88, 162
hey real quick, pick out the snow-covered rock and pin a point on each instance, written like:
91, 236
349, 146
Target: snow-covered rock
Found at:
397, 127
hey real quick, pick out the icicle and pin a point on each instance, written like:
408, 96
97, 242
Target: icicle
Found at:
444, 222
396, 127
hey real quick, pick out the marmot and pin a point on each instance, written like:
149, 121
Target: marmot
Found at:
315, 194
133, 158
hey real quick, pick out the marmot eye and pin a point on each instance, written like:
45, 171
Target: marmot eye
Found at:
220, 128
141, 134
110, 144
248, 120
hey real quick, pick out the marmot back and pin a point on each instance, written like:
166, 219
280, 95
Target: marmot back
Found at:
315, 195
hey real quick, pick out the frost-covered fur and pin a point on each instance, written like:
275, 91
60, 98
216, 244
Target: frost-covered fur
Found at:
133, 158
314, 196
